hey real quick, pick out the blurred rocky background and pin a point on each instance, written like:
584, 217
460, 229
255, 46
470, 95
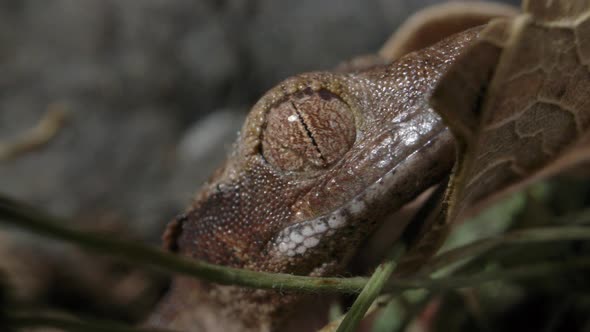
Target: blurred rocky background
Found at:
153, 93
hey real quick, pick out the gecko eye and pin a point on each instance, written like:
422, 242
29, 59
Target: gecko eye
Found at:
308, 130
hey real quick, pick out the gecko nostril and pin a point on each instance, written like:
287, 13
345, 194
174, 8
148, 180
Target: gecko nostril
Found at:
308, 130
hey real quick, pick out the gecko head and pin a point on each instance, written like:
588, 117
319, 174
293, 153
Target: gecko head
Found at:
307, 179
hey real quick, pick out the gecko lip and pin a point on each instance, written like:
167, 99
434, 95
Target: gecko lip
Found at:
296, 239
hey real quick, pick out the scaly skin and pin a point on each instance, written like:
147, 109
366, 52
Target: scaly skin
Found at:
321, 159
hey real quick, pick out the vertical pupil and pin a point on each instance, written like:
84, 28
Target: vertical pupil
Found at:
308, 130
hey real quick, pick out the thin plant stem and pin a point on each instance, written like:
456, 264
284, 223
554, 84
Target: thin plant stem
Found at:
26, 217
20, 321
31, 219
369, 293
476, 279
528, 236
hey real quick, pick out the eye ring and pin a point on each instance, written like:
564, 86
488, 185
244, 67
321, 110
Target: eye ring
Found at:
310, 129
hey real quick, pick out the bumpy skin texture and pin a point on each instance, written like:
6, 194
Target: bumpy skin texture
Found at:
322, 157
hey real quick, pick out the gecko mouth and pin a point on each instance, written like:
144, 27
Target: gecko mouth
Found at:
389, 192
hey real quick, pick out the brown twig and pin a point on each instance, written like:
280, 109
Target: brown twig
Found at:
48, 127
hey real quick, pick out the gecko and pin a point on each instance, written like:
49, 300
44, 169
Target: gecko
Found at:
321, 160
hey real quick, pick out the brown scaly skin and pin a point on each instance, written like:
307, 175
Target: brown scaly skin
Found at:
338, 148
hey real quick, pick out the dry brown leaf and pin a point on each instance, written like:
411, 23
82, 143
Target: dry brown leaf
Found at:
518, 103
537, 106
437, 22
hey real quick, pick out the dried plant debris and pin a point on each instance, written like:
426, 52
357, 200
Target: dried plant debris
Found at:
525, 87
517, 103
